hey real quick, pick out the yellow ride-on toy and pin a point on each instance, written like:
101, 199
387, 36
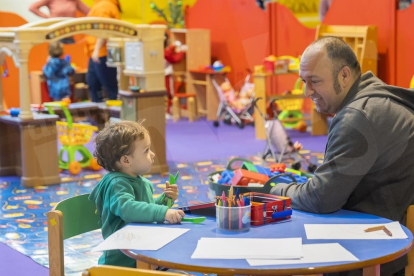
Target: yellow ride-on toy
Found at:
73, 137
291, 114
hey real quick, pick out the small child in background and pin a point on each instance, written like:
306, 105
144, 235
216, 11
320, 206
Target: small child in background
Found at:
57, 71
123, 195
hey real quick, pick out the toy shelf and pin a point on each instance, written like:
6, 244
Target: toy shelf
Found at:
362, 39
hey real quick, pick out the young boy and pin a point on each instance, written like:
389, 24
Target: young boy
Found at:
123, 195
57, 71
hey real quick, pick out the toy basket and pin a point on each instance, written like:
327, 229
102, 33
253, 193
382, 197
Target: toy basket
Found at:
217, 189
77, 135
292, 104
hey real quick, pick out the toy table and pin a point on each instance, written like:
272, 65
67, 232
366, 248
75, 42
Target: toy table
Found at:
151, 107
318, 120
28, 148
199, 83
371, 253
105, 112
83, 109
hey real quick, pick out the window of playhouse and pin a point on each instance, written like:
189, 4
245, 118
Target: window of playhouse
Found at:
114, 54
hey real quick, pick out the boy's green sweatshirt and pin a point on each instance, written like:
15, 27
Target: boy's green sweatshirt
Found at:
122, 199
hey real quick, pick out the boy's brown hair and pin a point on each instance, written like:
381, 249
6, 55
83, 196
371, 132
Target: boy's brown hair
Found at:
55, 49
115, 141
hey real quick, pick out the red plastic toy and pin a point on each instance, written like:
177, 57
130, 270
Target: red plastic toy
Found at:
244, 177
268, 208
279, 167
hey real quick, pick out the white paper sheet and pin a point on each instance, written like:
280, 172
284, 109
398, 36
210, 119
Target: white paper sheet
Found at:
234, 248
353, 232
314, 253
140, 238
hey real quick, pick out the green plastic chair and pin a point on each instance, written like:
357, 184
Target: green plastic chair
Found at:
69, 218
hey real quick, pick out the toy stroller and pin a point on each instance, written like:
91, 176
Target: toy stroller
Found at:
277, 138
73, 137
226, 111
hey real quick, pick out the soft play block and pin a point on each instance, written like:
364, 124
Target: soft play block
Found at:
226, 177
243, 178
263, 170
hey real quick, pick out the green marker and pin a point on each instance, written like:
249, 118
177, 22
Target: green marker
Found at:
173, 181
194, 220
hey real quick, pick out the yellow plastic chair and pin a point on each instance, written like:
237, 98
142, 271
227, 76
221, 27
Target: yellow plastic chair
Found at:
108, 270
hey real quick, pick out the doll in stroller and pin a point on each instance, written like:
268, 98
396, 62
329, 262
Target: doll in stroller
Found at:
234, 107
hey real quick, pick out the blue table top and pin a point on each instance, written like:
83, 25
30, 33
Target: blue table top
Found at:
177, 254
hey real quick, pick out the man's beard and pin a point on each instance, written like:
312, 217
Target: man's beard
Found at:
337, 86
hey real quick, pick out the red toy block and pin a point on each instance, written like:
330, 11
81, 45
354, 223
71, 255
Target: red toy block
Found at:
279, 167
244, 177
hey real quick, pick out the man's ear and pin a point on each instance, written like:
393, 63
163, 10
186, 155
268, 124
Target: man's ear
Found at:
124, 160
345, 77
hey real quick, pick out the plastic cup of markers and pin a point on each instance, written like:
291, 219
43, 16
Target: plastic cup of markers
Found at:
233, 218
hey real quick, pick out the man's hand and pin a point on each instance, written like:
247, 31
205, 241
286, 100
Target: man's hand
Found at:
174, 216
171, 191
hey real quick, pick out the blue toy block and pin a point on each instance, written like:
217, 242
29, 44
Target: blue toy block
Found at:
226, 177
263, 170
284, 179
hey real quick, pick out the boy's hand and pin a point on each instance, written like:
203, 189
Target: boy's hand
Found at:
95, 57
174, 216
171, 191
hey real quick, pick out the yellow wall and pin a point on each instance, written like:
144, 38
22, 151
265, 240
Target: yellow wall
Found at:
140, 12
306, 11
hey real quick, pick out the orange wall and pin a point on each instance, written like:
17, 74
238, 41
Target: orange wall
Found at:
11, 83
287, 37
239, 34
405, 47
37, 58
371, 12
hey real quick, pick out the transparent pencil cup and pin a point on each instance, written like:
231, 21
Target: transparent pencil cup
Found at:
233, 218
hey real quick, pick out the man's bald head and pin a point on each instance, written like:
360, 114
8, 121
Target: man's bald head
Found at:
338, 52
329, 68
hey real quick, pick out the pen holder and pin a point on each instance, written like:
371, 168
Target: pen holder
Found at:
233, 218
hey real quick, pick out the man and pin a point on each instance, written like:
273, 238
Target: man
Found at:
368, 165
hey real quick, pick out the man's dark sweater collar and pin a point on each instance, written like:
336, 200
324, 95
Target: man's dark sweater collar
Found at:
351, 94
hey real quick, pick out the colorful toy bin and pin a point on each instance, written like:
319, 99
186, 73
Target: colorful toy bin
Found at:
249, 178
